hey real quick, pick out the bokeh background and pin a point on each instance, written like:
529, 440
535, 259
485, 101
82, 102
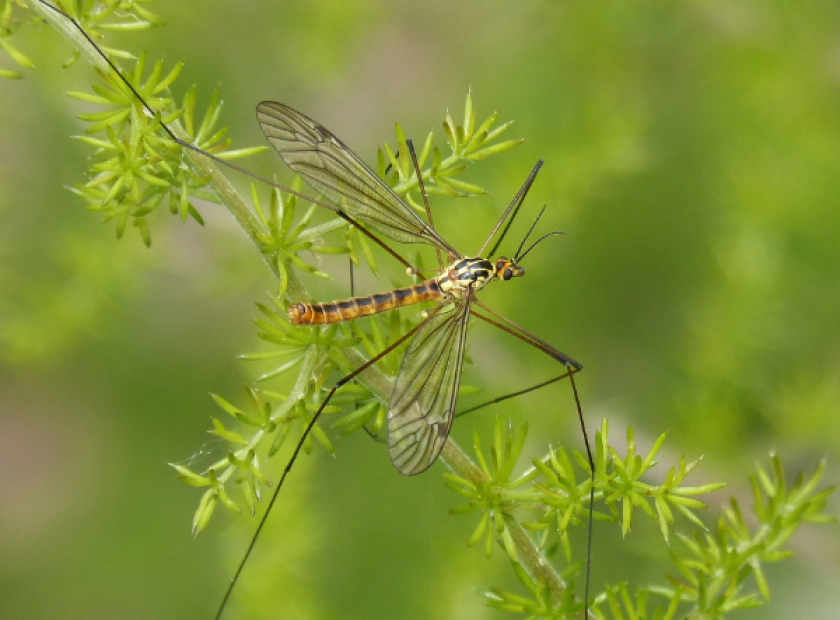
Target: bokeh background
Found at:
692, 157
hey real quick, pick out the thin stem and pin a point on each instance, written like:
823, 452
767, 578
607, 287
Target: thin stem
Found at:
533, 560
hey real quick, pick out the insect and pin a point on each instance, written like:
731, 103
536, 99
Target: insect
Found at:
422, 403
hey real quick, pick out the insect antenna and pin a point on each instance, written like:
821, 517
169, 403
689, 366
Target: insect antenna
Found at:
517, 258
515, 204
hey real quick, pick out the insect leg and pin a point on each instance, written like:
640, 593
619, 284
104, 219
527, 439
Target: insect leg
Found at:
524, 334
515, 204
591, 497
573, 367
353, 294
299, 446
423, 193
501, 399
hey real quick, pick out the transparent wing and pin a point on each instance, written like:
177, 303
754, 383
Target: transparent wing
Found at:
336, 172
423, 400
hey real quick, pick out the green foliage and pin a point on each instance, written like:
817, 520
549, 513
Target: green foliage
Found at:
8, 26
136, 166
283, 239
95, 16
551, 489
495, 494
466, 144
721, 571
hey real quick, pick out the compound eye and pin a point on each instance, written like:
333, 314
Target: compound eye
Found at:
507, 275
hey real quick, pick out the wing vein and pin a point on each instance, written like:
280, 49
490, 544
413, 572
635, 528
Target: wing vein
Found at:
423, 401
336, 172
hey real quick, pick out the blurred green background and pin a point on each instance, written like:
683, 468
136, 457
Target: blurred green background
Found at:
692, 157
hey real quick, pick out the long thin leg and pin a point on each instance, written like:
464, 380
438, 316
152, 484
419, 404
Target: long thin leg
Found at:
219, 160
299, 446
517, 200
423, 193
524, 334
501, 399
352, 279
546, 348
353, 294
573, 367
591, 499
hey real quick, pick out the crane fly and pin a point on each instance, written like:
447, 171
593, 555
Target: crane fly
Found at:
422, 403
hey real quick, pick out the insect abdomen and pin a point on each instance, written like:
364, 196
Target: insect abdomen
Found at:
356, 307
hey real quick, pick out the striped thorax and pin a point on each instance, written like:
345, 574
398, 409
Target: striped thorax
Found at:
475, 274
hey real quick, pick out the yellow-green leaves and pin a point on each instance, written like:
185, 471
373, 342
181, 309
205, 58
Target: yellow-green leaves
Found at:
716, 567
495, 495
15, 54
719, 571
285, 236
136, 164
466, 144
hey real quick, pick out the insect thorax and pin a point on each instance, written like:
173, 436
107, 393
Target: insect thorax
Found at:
466, 273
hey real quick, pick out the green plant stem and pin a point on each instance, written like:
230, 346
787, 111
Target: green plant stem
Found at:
230, 198
532, 558
452, 455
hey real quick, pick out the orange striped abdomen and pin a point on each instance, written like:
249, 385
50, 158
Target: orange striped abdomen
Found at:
355, 307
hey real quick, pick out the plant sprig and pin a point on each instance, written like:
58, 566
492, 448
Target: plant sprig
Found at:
720, 572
